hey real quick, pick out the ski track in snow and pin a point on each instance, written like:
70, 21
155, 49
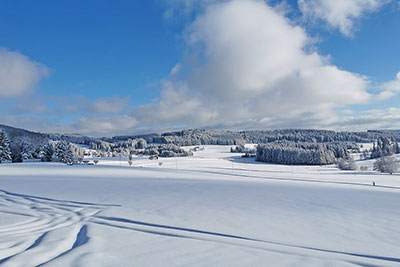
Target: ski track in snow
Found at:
22, 241
45, 216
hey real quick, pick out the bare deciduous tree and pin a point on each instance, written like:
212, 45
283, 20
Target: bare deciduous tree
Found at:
386, 164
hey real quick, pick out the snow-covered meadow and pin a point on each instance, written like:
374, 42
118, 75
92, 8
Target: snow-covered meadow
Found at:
211, 209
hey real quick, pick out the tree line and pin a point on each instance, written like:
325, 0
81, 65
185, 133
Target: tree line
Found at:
19, 151
303, 153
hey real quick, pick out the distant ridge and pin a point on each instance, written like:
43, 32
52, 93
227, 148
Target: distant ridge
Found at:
22, 134
217, 137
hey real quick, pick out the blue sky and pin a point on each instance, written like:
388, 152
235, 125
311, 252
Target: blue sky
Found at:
92, 47
120, 67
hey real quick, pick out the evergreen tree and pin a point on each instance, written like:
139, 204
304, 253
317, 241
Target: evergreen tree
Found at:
284, 152
384, 147
26, 151
64, 153
5, 153
46, 152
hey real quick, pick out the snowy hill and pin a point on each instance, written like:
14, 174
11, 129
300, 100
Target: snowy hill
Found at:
212, 209
21, 134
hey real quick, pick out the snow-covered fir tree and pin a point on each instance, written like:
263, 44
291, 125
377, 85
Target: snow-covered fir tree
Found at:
27, 151
384, 147
46, 152
5, 153
64, 153
285, 152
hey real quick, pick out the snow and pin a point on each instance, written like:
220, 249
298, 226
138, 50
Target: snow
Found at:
365, 146
211, 209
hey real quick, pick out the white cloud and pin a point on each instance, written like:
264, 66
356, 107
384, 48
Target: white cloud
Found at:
27, 122
176, 108
110, 105
186, 7
31, 105
393, 85
248, 69
380, 119
67, 104
175, 70
339, 14
253, 72
97, 126
18, 74
89, 125
389, 89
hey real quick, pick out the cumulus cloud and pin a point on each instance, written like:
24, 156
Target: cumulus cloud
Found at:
253, 72
339, 14
175, 109
18, 74
249, 68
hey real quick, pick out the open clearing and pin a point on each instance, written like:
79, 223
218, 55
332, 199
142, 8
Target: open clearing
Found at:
212, 209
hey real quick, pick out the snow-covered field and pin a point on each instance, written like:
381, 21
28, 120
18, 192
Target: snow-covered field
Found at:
211, 209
